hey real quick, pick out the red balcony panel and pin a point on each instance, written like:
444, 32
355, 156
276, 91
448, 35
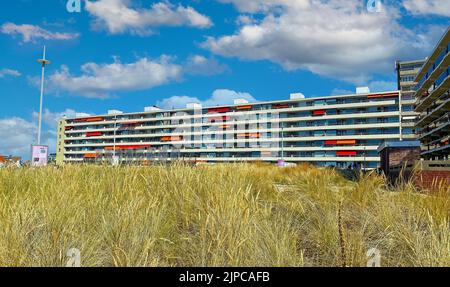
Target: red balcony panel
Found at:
330, 142
346, 153
94, 134
319, 113
219, 110
68, 128
280, 106
219, 119
374, 96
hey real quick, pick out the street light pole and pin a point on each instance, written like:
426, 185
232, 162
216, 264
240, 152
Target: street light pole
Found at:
114, 161
43, 62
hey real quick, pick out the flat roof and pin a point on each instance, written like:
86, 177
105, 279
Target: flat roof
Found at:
316, 98
398, 144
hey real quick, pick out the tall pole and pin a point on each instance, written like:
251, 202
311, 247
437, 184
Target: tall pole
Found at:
114, 139
43, 62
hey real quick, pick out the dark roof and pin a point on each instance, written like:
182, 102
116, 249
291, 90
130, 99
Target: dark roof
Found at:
398, 144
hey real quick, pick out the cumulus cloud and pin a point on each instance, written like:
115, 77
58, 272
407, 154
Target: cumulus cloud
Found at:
32, 33
100, 80
428, 7
219, 97
334, 38
259, 5
200, 65
374, 87
51, 119
17, 136
118, 16
9, 72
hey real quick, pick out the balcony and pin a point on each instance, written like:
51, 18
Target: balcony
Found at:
424, 84
434, 114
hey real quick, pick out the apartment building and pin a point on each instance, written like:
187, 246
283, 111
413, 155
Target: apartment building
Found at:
406, 74
433, 102
342, 131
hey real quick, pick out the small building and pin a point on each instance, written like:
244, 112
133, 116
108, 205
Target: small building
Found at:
400, 162
9, 160
395, 155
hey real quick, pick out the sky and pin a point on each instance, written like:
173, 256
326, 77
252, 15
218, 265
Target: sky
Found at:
129, 54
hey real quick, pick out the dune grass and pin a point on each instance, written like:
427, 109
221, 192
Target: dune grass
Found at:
221, 215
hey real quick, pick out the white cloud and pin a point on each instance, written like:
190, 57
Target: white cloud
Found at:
51, 119
200, 65
259, 5
374, 87
219, 97
428, 7
100, 80
17, 136
31, 33
9, 72
117, 16
335, 38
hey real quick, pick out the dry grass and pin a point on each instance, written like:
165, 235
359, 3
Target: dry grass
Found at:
222, 215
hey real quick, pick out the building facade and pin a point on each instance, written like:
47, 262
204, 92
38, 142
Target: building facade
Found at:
433, 102
341, 131
406, 75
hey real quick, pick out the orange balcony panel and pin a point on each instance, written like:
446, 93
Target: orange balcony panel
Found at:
91, 155
97, 119
240, 108
255, 135
171, 138
93, 119
346, 142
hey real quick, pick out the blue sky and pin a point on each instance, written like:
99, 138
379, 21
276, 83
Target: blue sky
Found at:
124, 54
